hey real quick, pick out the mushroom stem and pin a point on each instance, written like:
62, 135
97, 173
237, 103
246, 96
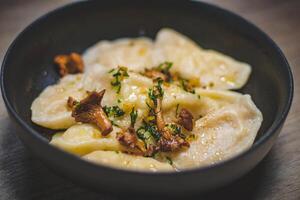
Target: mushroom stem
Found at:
103, 122
159, 115
168, 141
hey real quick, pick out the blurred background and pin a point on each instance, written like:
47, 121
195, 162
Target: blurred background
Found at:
277, 177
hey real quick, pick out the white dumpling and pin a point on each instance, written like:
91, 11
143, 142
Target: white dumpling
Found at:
199, 104
221, 134
132, 53
126, 161
50, 109
97, 79
134, 90
82, 139
214, 69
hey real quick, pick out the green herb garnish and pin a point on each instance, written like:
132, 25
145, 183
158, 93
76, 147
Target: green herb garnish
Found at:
174, 128
165, 67
114, 123
113, 111
156, 91
133, 116
169, 160
145, 136
186, 86
159, 88
151, 128
119, 74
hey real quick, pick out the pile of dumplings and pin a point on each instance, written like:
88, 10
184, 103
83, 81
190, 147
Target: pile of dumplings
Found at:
226, 122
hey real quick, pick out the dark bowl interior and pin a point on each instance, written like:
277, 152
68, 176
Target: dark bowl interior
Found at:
28, 68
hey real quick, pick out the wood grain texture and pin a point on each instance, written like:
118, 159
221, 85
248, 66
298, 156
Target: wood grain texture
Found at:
276, 177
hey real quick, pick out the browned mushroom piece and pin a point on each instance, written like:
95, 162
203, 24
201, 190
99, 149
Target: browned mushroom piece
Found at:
128, 138
89, 110
159, 115
155, 74
69, 64
72, 102
168, 141
171, 143
186, 119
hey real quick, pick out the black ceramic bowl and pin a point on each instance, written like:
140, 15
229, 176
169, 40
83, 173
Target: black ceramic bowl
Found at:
28, 68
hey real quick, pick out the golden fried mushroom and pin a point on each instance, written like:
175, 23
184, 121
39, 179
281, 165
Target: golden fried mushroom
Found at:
169, 141
89, 110
69, 64
186, 119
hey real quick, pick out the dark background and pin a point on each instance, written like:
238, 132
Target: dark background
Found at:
276, 177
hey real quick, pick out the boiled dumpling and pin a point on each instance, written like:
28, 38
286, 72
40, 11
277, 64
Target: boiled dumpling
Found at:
82, 139
214, 69
97, 79
132, 53
134, 90
221, 134
50, 109
126, 161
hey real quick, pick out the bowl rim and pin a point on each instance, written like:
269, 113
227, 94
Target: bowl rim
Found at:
276, 124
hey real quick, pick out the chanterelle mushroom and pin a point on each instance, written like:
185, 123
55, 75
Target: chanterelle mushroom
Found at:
89, 110
161, 71
186, 119
128, 138
154, 74
69, 64
168, 141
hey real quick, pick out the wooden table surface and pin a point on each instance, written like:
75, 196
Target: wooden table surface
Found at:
276, 177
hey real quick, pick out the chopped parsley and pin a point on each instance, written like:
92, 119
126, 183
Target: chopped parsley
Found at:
174, 128
113, 111
152, 129
186, 86
145, 136
169, 160
148, 133
159, 88
165, 67
148, 129
156, 91
114, 123
133, 117
118, 74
